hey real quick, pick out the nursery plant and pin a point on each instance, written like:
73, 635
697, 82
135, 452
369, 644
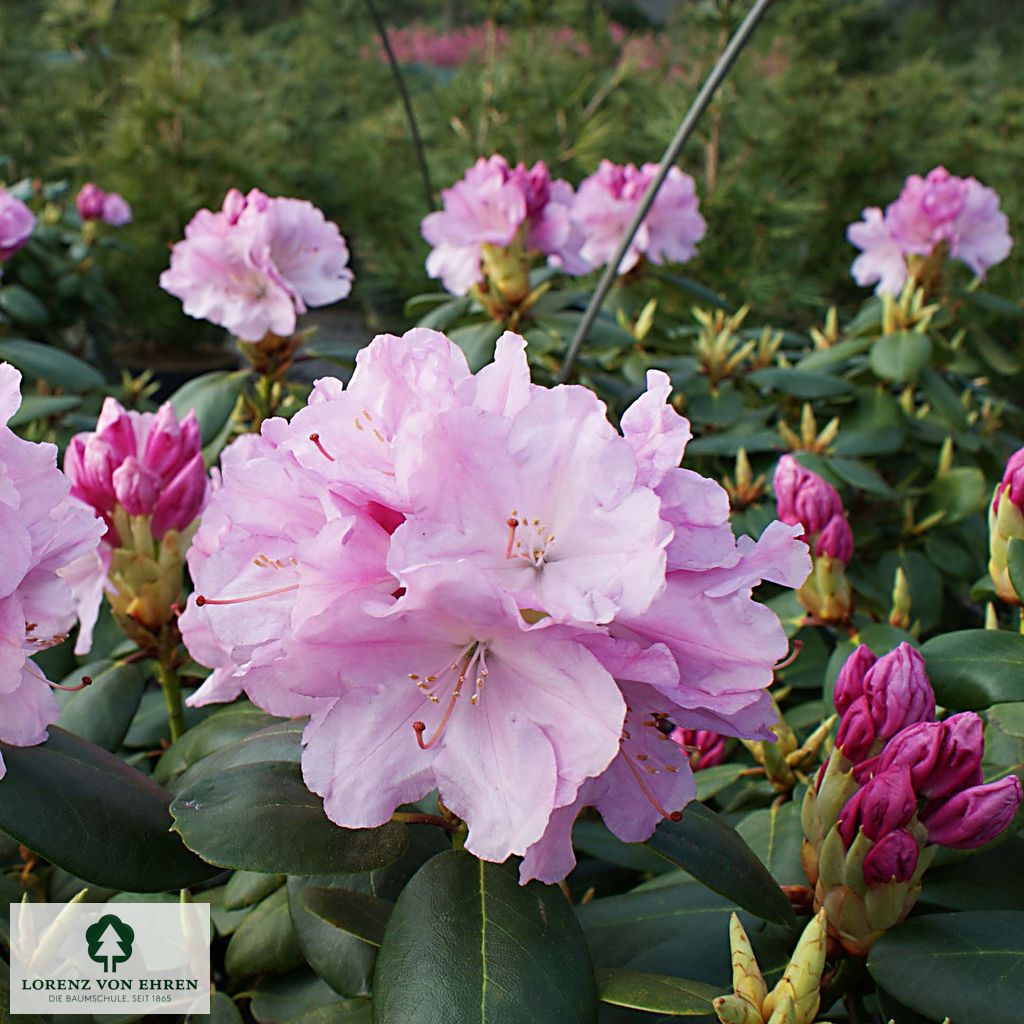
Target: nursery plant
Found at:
492, 678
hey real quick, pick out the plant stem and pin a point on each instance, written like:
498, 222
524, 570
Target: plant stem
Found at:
170, 683
683, 133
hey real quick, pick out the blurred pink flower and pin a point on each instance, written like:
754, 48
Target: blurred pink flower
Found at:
606, 201
463, 579
941, 207
116, 210
257, 263
43, 532
17, 222
89, 201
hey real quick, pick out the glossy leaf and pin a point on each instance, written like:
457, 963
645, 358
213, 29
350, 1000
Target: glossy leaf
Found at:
655, 993
1015, 564
68, 799
53, 365
467, 943
715, 854
37, 407
967, 966
356, 913
975, 668
102, 713
265, 941
21, 305
775, 835
213, 397
901, 357
261, 817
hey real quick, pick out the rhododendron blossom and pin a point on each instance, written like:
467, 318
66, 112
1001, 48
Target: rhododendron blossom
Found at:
17, 222
476, 585
43, 532
257, 263
939, 208
499, 205
607, 200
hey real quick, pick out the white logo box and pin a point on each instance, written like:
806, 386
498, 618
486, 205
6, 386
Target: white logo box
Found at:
110, 958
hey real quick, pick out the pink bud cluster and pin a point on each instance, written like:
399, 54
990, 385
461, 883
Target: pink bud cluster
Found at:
804, 497
705, 748
17, 222
1012, 484
921, 780
939, 208
499, 205
257, 263
93, 203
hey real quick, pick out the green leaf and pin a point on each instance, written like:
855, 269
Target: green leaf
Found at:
357, 913
860, 475
593, 837
213, 397
715, 854
46, 363
901, 357
21, 305
655, 993
711, 781
966, 966
838, 353
38, 407
467, 943
223, 1009
985, 880
277, 999
261, 817
1015, 564
344, 1011
265, 941
149, 728
975, 668
775, 835
442, 316
68, 800
477, 341
247, 888
799, 383
960, 492
103, 711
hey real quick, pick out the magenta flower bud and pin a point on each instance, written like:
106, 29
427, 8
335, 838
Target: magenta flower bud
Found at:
850, 681
148, 463
973, 816
836, 540
804, 497
857, 732
89, 201
887, 802
918, 748
892, 859
704, 748
1012, 482
116, 210
16, 224
898, 691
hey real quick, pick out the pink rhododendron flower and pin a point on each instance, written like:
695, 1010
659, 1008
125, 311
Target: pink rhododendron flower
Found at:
466, 581
43, 532
116, 210
495, 204
257, 263
17, 222
89, 201
605, 204
961, 212
149, 464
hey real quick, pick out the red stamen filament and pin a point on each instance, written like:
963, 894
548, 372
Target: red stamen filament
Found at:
201, 600
798, 646
674, 816
511, 523
478, 656
315, 438
86, 681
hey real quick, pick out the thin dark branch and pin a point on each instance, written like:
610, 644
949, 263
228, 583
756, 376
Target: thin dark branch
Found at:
410, 114
689, 122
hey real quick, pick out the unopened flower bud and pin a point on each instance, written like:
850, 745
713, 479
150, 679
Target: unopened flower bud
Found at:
892, 859
836, 540
747, 981
703, 747
973, 816
943, 757
898, 691
801, 981
885, 803
850, 682
89, 201
857, 733
804, 497
116, 210
1006, 523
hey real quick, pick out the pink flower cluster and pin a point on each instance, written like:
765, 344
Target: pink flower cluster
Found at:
804, 497
502, 206
961, 212
43, 532
921, 780
704, 747
17, 222
422, 44
257, 263
496, 204
477, 585
149, 464
93, 203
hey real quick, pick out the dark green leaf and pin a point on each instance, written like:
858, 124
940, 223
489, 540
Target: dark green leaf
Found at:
959, 492
655, 993
103, 711
1015, 565
477, 341
799, 383
593, 837
986, 880
21, 305
246, 888
966, 966
46, 363
775, 835
265, 941
442, 316
705, 846
839, 353
356, 913
975, 668
467, 943
711, 781
149, 729
37, 407
223, 1009
213, 397
261, 817
69, 800
277, 999
901, 357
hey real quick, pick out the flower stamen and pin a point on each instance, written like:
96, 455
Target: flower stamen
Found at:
315, 438
202, 601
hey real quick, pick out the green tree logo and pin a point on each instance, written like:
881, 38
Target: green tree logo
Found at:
110, 942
